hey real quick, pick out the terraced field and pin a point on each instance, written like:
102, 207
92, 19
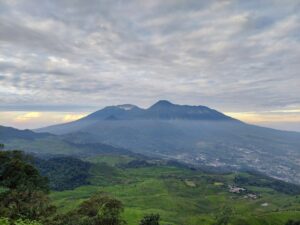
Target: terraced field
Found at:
182, 196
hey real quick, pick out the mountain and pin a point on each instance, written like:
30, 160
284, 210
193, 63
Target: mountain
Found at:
7, 133
46, 144
162, 110
166, 110
192, 134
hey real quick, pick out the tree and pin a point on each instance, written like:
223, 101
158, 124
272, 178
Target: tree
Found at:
292, 222
1, 146
109, 213
64, 172
4, 221
224, 217
17, 173
151, 219
34, 205
100, 209
26, 196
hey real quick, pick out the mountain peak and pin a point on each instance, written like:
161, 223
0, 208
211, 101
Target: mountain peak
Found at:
162, 103
127, 106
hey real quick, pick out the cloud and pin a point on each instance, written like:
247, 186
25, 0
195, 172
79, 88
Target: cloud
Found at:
72, 117
278, 119
27, 116
33, 120
263, 117
231, 55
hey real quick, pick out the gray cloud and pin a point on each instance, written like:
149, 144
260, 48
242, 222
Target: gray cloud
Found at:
231, 55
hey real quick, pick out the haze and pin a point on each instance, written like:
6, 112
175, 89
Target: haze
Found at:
60, 60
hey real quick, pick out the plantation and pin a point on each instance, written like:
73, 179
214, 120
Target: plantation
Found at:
111, 189
167, 190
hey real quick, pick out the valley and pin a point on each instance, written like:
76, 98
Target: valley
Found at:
195, 135
182, 195
190, 164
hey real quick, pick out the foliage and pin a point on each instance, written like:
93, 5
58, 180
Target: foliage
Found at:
98, 210
25, 204
151, 219
144, 189
26, 193
17, 173
260, 180
109, 213
64, 173
138, 164
5, 221
293, 222
162, 189
224, 216
26, 222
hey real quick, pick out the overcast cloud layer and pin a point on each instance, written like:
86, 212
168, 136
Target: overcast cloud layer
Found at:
82, 55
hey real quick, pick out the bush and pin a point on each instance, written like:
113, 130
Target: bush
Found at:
4, 221
151, 219
26, 222
26, 190
292, 222
98, 210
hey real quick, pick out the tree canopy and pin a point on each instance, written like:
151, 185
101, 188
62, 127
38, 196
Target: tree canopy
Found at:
26, 190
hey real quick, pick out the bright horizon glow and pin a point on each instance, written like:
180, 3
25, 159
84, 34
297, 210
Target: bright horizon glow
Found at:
33, 120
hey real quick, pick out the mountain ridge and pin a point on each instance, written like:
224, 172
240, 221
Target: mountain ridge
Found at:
196, 135
162, 109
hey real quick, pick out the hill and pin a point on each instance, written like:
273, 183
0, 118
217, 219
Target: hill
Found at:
196, 135
183, 195
8, 133
46, 144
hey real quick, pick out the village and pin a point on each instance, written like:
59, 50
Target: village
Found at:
242, 191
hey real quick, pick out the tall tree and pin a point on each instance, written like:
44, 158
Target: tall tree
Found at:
26, 195
100, 209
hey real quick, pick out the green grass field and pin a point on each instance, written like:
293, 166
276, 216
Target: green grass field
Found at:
180, 196
111, 160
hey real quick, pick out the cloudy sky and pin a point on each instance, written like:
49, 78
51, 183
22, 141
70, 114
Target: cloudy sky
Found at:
60, 60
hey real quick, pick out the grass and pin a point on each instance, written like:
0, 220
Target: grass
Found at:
112, 160
180, 196
43, 146
3, 189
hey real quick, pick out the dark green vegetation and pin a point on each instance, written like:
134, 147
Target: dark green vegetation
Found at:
24, 197
151, 219
181, 195
17, 173
100, 209
25, 191
260, 180
293, 222
113, 189
64, 172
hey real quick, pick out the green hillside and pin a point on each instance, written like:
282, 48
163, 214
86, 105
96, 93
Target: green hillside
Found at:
184, 196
